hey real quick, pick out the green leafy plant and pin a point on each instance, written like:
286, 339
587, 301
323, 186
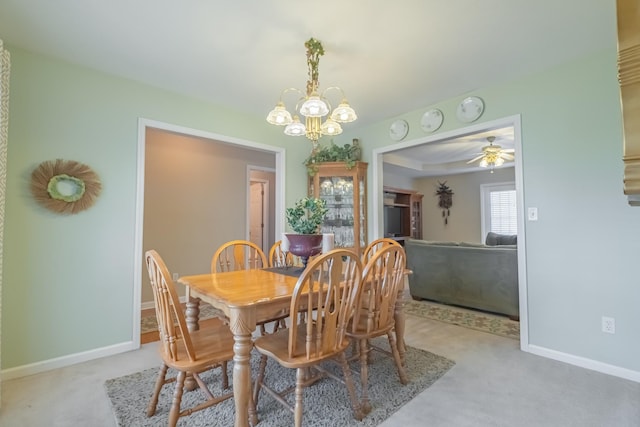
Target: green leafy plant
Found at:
348, 153
306, 216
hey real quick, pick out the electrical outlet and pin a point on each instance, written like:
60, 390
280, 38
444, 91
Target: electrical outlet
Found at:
608, 325
175, 276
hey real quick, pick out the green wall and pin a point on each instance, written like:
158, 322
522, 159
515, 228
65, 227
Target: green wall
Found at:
64, 276
581, 255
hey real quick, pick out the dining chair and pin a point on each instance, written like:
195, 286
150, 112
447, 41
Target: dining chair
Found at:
368, 252
382, 277
325, 291
237, 255
376, 245
279, 258
188, 352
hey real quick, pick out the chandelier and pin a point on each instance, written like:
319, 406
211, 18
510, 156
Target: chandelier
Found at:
313, 105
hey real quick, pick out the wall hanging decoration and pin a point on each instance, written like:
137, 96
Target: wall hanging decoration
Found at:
65, 186
445, 199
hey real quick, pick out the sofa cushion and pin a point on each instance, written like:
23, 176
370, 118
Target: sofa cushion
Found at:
472, 245
495, 239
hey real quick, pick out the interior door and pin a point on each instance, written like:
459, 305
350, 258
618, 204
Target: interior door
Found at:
258, 203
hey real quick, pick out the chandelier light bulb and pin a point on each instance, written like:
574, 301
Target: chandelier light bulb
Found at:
344, 113
295, 128
314, 107
330, 127
279, 115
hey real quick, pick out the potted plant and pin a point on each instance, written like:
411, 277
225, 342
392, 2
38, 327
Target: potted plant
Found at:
348, 153
305, 219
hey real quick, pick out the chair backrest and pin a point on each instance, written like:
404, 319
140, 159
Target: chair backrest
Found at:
280, 258
277, 257
382, 278
238, 255
325, 293
171, 321
376, 245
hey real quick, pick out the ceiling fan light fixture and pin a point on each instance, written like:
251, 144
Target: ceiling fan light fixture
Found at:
492, 155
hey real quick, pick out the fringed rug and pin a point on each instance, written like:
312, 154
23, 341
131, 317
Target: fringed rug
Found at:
326, 403
478, 320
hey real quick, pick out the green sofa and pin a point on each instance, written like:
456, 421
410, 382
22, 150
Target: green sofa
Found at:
465, 274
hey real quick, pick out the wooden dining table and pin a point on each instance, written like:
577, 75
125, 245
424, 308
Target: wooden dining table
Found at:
248, 297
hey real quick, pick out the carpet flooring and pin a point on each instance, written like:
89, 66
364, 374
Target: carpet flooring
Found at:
326, 403
478, 320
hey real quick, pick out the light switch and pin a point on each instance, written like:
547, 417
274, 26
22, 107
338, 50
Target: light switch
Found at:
532, 214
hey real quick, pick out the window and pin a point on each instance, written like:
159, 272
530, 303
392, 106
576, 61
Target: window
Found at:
499, 212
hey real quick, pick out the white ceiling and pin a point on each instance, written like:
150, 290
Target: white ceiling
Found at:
389, 57
447, 156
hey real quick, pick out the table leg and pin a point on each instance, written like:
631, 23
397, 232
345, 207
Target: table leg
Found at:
242, 324
192, 315
399, 324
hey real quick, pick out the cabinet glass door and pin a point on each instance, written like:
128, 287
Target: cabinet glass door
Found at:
337, 192
344, 189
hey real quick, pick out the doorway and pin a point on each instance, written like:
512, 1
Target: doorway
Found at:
377, 195
182, 247
261, 223
258, 212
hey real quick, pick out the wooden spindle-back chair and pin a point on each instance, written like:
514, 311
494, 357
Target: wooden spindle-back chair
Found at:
189, 353
325, 292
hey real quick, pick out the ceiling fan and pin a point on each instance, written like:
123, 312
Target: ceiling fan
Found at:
493, 155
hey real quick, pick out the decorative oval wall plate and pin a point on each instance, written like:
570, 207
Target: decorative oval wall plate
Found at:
431, 120
470, 109
398, 130
65, 186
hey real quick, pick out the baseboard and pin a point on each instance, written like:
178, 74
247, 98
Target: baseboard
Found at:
147, 305
61, 362
150, 304
582, 362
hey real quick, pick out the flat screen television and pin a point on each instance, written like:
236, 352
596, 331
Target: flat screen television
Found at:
393, 221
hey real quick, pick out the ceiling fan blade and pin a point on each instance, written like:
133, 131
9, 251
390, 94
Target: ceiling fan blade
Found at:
475, 159
507, 156
509, 150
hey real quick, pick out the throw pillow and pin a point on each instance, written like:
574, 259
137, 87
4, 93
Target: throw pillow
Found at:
495, 239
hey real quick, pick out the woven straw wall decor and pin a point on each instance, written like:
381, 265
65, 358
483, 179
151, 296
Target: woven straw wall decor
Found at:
65, 186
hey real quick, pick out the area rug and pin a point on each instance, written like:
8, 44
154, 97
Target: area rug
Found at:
149, 323
478, 320
326, 403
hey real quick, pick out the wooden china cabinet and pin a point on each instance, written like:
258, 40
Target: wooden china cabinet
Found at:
345, 191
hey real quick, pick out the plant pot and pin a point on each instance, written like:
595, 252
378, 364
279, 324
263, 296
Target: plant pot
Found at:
305, 245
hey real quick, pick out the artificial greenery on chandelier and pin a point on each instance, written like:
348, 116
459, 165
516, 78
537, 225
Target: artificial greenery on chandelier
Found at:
312, 104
